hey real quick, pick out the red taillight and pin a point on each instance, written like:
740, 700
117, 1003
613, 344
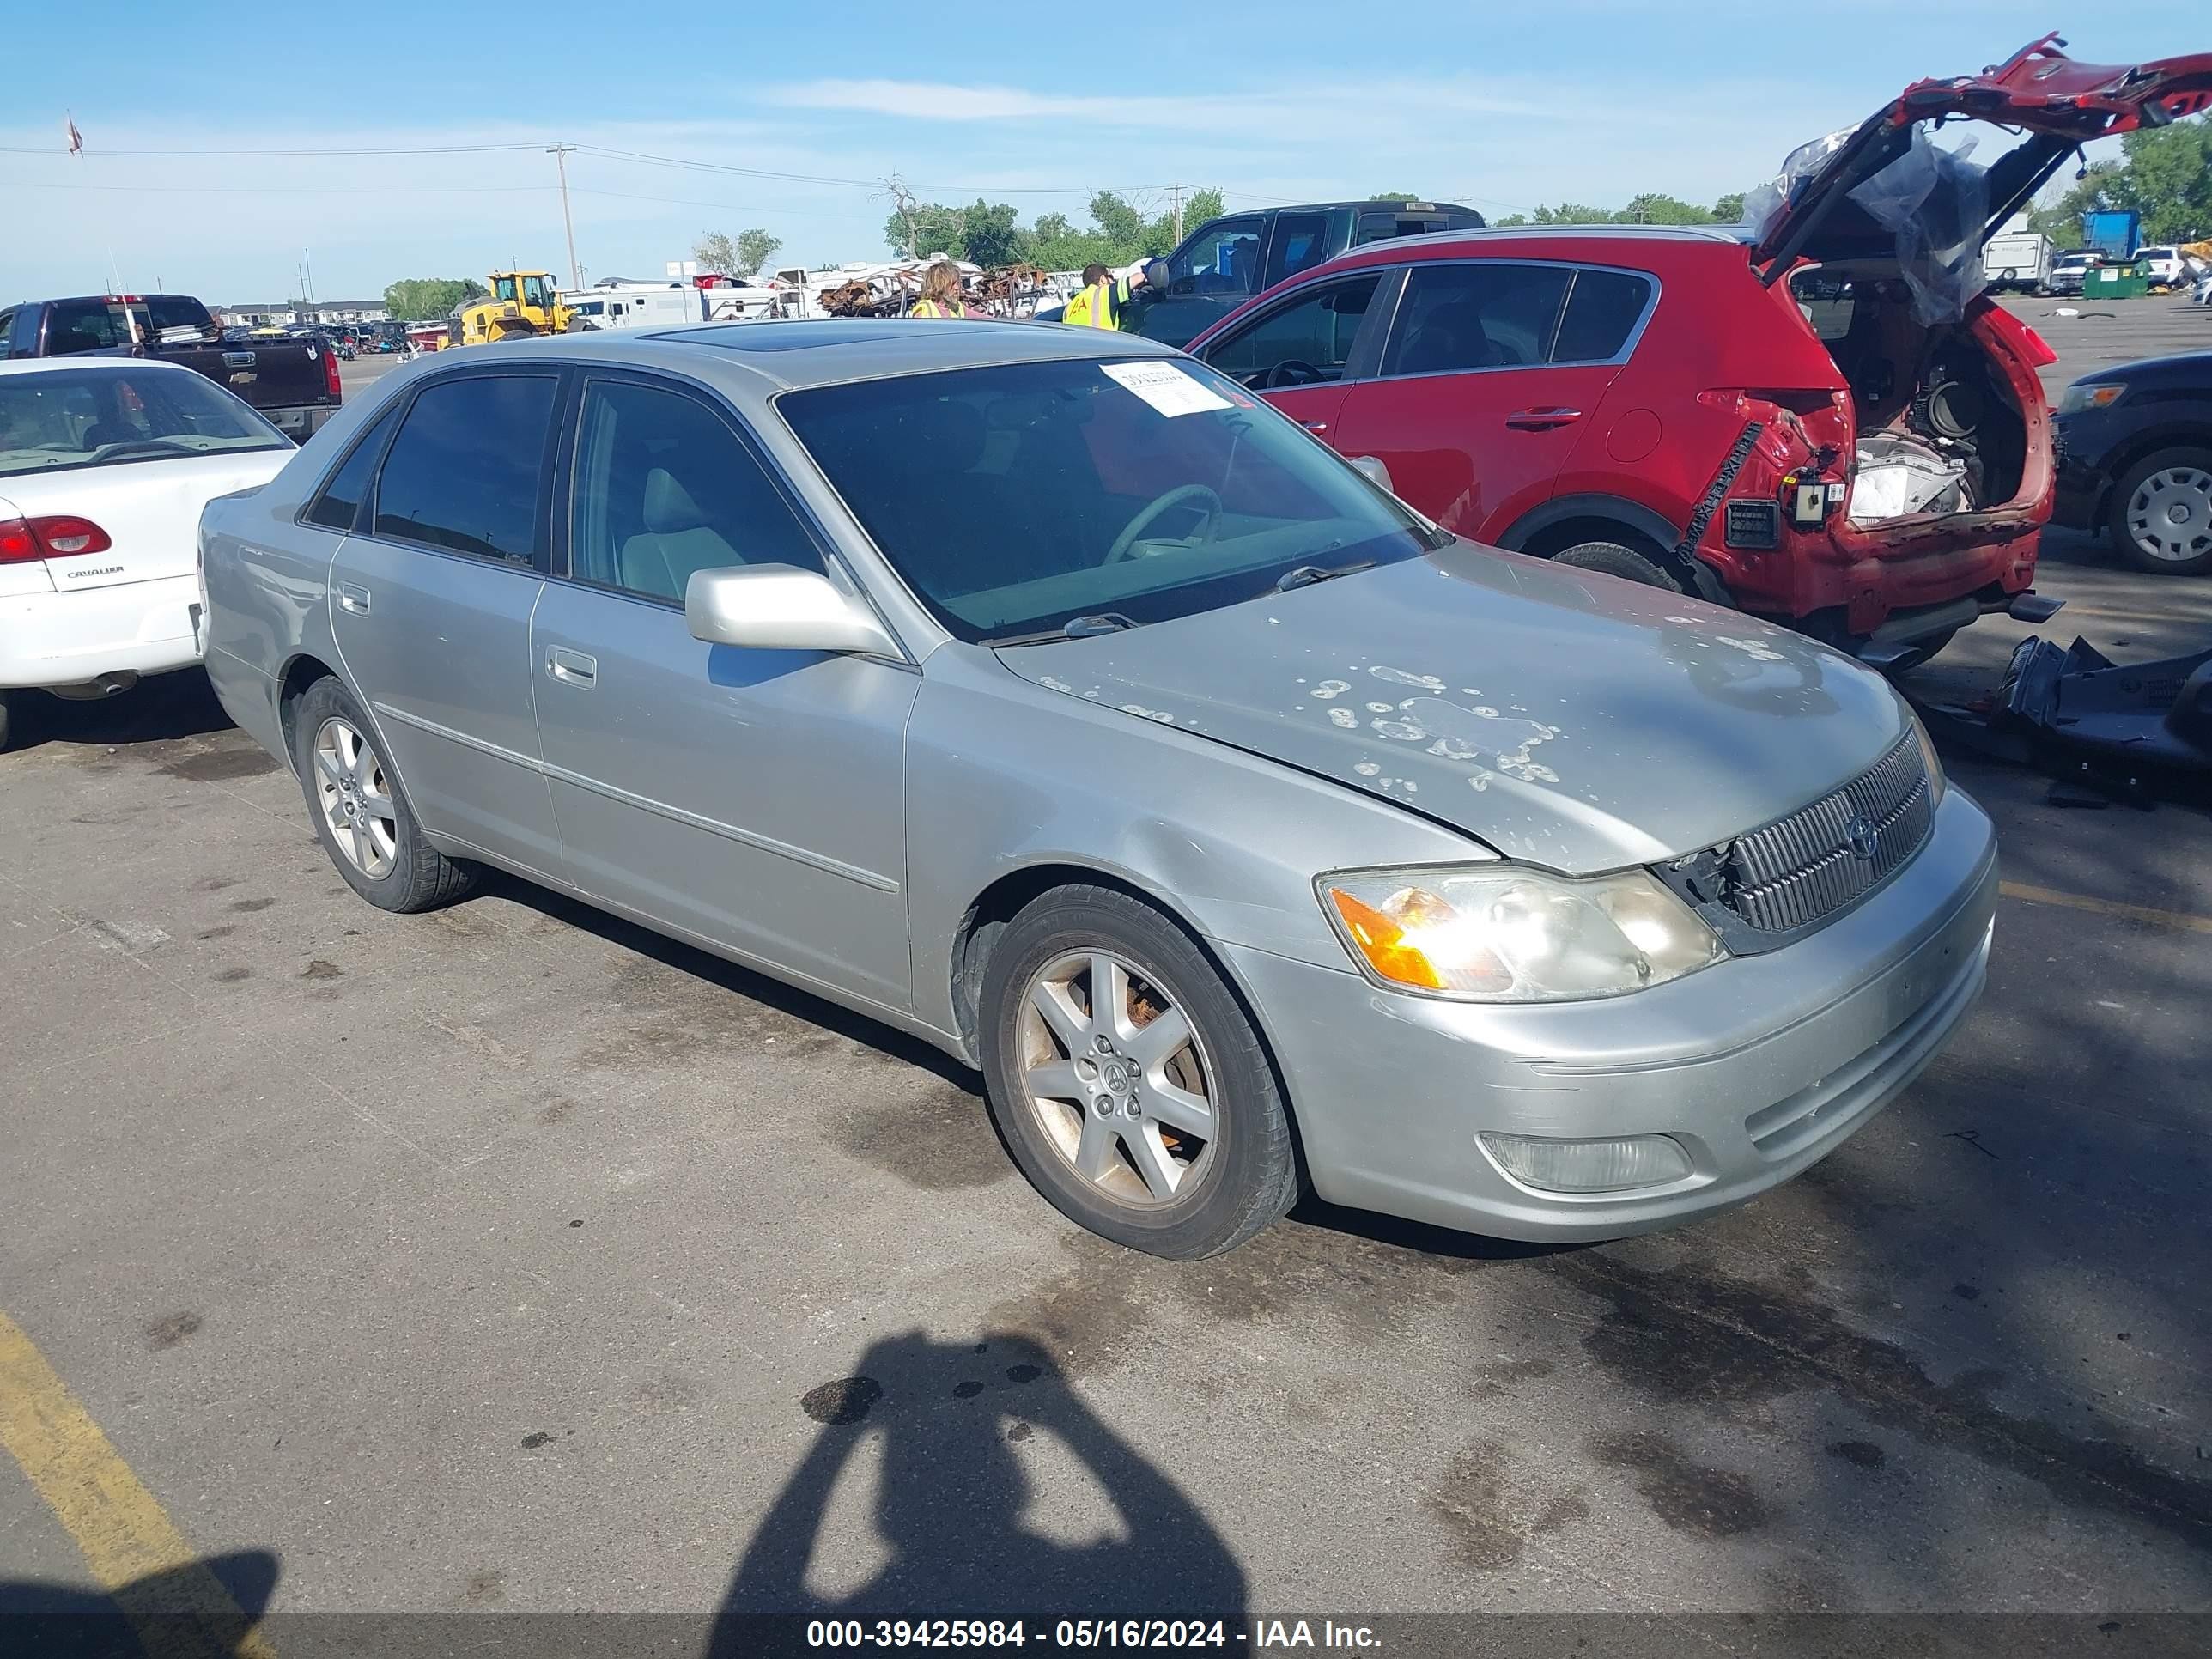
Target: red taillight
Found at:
330, 373
57, 536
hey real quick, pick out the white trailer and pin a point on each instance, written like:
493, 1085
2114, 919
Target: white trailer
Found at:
2018, 259
660, 305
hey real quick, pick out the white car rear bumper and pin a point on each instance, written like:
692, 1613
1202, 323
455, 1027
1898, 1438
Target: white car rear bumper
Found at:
70, 639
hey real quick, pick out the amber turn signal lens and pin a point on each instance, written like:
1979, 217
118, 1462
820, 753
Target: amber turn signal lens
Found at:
1382, 942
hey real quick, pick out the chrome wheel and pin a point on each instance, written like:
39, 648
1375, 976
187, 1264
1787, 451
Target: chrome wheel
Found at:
1118, 1078
2169, 516
356, 798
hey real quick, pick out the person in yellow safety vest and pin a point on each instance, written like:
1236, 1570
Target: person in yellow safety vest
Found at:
1098, 303
940, 292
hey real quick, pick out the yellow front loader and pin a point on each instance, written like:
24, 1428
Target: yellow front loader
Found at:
523, 304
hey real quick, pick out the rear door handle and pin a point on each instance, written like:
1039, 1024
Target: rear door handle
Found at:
1314, 427
573, 667
353, 599
1536, 420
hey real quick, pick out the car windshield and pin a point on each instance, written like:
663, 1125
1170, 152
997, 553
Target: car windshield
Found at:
60, 418
1016, 498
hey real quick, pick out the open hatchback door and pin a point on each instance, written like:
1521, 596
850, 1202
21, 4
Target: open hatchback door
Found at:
2058, 104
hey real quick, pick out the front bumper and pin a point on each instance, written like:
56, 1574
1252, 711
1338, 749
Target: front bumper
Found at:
74, 638
1757, 1066
2077, 499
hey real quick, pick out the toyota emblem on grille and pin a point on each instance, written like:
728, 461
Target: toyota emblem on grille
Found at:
1864, 838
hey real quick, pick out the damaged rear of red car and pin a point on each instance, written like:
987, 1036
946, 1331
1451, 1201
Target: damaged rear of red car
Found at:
1910, 455
1818, 417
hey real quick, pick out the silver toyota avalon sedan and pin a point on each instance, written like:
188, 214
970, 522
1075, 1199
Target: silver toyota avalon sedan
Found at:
1044, 695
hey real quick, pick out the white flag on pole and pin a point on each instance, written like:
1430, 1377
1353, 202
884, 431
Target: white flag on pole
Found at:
75, 138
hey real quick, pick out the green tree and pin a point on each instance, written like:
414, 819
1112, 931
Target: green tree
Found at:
2061, 220
735, 256
1728, 210
418, 298
2168, 179
1652, 209
989, 236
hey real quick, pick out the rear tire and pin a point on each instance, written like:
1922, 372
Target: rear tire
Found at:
360, 810
4, 698
2140, 521
1179, 1144
1611, 559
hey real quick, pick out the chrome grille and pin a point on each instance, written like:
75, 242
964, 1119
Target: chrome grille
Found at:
1805, 867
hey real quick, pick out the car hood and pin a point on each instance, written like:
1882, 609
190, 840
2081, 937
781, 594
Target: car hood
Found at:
2039, 91
1572, 720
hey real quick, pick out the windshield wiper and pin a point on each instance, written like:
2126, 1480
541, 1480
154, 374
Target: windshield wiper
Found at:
137, 447
1306, 575
1075, 628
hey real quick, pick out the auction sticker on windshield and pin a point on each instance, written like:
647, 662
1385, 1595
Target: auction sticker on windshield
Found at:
1165, 388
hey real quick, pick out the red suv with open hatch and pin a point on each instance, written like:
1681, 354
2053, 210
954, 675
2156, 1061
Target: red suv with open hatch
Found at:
1820, 418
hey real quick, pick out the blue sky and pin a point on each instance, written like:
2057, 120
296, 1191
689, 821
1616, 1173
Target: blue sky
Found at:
1499, 106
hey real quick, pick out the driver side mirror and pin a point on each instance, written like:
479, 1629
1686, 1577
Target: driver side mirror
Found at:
780, 607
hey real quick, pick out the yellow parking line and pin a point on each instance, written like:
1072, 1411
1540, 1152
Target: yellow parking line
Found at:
2181, 919
122, 1530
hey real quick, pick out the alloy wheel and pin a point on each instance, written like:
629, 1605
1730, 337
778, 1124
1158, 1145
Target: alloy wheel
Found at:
2169, 516
355, 797
1116, 1074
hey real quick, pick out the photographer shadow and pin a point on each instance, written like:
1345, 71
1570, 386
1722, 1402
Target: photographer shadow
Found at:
962, 1428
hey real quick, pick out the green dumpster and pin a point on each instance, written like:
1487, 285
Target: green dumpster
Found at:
2116, 282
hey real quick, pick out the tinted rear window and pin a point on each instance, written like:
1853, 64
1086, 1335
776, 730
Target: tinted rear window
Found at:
1600, 312
462, 473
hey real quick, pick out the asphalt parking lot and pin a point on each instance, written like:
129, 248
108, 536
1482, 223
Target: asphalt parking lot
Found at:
511, 1257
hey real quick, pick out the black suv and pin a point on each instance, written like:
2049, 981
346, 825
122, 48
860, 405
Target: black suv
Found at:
2135, 459
1225, 261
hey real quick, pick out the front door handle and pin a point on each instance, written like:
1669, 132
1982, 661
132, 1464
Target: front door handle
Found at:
1314, 427
1537, 420
353, 599
573, 667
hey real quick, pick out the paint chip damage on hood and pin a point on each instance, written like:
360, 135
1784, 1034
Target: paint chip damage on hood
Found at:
1567, 719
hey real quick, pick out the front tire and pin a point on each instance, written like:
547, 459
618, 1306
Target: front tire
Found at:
5, 697
360, 812
1128, 1081
1611, 559
2160, 517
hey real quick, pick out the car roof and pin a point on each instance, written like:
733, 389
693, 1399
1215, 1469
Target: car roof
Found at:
88, 360
780, 356
1720, 235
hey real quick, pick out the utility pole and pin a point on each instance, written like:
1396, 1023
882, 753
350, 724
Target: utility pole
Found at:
307, 269
560, 154
1175, 194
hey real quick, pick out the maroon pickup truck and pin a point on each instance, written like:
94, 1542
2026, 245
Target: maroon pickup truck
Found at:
292, 382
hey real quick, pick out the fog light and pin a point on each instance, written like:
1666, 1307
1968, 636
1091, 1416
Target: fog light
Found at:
1588, 1166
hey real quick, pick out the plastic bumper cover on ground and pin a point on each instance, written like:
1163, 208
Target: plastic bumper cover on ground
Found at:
1757, 1066
70, 638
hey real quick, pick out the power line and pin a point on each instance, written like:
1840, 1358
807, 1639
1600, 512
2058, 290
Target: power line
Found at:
289, 190
185, 154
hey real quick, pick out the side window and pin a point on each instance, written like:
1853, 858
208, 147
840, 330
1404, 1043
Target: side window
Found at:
1301, 243
665, 488
1302, 342
1224, 258
1375, 228
1491, 315
1602, 309
463, 472
7, 328
339, 501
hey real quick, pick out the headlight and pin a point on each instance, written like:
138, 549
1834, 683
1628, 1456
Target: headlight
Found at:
2089, 394
1929, 760
1498, 933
